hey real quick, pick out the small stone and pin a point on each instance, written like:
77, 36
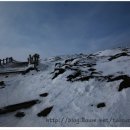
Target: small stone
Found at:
44, 95
2, 83
45, 112
100, 105
20, 114
6, 76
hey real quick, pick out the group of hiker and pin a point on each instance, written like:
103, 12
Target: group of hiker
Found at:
32, 59
6, 60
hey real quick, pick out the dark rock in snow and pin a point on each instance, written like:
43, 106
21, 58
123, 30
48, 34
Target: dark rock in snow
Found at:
90, 65
84, 78
91, 69
124, 84
73, 76
6, 76
100, 105
2, 83
117, 56
43, 95
68, 60
15, 107
58, 72
28, 70
45, 112
94, 72
20, 114
112, 78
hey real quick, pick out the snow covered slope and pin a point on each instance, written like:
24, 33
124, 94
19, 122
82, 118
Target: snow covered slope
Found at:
76, 90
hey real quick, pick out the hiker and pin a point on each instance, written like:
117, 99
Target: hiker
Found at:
7, 59
10, 59
36, 59
3, 61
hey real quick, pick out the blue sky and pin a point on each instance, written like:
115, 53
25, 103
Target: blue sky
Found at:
57, 28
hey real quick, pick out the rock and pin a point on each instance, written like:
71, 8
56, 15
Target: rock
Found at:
90, 65
91, 69
68, 60
74, 75
124, 84
6, 76
58, 72
2, 83
28, 70
85, 78
94, 72
100, 105
43, 95
117, 56
15, 107
20, 114
120, 77
45, 112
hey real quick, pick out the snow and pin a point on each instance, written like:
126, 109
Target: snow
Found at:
115, 66
72, 101
108, 52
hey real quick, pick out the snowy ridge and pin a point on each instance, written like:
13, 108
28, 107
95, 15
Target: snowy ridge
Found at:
78, 90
